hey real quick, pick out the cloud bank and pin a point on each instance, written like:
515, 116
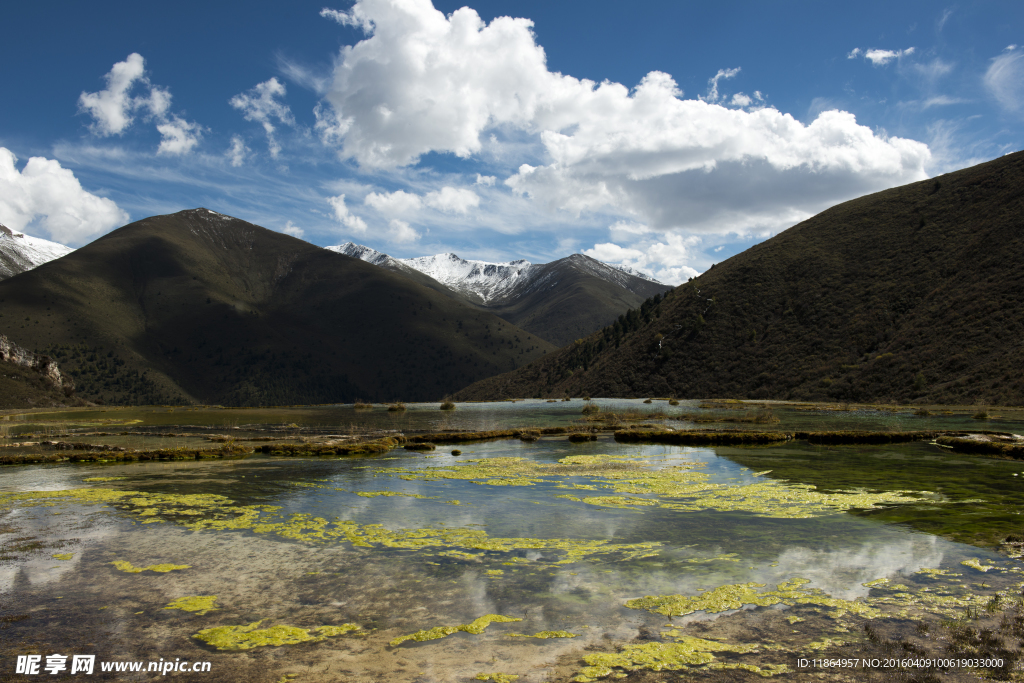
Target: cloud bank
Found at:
422, 82
45, 197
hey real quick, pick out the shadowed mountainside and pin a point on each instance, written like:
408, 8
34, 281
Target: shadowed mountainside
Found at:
913, 294
559, 301
198, 306
569, 298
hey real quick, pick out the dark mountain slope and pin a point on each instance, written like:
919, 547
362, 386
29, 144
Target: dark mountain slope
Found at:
911, 294
559, 301
201, 306
569, 298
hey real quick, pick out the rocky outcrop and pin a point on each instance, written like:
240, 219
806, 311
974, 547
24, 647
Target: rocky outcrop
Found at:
44, 365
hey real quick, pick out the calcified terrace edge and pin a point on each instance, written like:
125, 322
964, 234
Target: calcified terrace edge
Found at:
990, 443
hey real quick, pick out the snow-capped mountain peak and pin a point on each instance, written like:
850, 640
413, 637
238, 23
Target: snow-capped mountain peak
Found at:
20, 252
478, 279
495, 283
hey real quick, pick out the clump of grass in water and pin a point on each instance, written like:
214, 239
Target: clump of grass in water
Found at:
248, 636
475, 627
590, 408
447, 404
981, 415
673, 402
396, 407
579, 434
200, 604
161, 568
359, 405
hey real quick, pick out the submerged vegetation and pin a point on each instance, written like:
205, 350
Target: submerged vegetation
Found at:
248, 636
475, 627
160, 568
200, 604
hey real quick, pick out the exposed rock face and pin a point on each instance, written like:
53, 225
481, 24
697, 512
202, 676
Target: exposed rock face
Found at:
44, 365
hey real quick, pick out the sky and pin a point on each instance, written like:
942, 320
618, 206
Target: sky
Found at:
661, 135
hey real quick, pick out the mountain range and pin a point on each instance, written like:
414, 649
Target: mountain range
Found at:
913, 294
559, 301
201, 307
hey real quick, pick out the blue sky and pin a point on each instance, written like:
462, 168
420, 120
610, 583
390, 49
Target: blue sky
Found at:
662, 135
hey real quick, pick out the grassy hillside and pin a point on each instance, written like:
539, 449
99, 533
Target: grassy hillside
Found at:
912, 294
196, 306
23, 387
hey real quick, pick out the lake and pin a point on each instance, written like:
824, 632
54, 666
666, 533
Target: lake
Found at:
510, 559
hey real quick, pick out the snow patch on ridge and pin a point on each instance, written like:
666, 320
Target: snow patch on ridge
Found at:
20, 252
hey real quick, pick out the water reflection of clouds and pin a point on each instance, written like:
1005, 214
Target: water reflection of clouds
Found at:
39, 567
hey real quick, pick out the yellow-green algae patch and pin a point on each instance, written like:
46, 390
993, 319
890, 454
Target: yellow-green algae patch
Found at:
90, 479
497, 678
374, 494
934, 572
248, 636
876, 582
162, 568
200, 604
544, 635
735, 596
824, 644
686, 651
475, 627
973, 563
63, 556
686, 488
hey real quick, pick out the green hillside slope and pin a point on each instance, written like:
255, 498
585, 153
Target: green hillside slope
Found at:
914, 294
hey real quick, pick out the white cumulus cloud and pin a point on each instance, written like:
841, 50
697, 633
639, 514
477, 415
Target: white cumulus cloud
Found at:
354, 224
293, 230
397, 203
401, 232
45, 197
664, 258
452, 200
178, 136
260, 104
882, 57
423, 82
113, 109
